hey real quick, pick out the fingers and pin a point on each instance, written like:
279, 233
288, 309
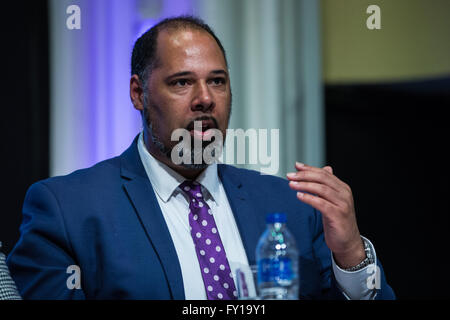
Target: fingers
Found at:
319, 186
302, 167
328, 169
333, 205
327, 208
320, 190
318, 175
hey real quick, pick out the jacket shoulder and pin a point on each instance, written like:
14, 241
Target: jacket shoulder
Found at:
99, 174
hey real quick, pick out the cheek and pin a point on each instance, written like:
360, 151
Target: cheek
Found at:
156, 109
224, 114
167, 122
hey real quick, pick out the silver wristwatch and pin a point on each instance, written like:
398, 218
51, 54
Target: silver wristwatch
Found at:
369, 259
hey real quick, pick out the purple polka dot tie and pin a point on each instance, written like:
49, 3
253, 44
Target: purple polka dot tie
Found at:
216, 272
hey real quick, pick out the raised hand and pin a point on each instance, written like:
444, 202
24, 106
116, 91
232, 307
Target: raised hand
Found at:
321, 189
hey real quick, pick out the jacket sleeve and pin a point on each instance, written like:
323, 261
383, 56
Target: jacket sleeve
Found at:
41, 262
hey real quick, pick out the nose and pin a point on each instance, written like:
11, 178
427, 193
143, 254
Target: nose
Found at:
203, 100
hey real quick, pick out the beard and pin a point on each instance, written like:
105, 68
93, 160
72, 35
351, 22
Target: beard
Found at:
166, 149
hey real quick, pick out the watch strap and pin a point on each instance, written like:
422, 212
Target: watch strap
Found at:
369, 259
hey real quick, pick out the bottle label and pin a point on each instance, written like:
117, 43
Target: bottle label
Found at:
277, 270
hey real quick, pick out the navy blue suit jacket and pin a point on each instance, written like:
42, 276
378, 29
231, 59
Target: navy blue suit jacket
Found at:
106, 220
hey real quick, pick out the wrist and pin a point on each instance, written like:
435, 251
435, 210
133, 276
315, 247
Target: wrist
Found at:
352, 257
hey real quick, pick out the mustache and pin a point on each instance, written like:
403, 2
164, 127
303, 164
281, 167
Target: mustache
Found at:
212, 122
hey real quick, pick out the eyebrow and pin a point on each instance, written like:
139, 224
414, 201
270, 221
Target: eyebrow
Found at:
188, 73
221, 71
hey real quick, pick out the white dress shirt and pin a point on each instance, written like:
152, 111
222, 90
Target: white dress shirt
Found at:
175, 208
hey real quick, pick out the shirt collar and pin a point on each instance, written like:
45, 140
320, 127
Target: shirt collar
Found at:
165, 180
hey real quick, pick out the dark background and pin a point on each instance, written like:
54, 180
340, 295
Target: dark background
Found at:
390, 144
25, 106
387, 141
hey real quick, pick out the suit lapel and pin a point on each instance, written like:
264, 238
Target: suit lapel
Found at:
141, 194
248, 216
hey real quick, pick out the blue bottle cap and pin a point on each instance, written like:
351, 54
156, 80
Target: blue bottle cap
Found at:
276, 217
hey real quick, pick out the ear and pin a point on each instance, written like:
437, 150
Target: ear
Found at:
136, 92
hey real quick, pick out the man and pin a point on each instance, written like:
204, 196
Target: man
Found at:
8, 289
140, 226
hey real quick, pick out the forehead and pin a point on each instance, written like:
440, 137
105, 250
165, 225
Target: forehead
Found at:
188, 47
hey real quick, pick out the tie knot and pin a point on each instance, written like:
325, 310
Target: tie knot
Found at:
192, 189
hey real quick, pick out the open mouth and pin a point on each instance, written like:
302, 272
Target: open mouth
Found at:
201, 128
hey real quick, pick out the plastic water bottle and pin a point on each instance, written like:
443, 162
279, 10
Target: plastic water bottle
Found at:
277, 259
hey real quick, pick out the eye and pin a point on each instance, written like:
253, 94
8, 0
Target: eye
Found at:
179, 82
219, 81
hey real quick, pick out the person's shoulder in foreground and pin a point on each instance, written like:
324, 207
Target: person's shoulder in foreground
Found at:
8, 289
